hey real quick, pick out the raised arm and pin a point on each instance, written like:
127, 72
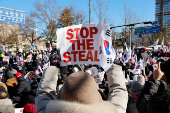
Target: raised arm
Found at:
117, 90
47, 88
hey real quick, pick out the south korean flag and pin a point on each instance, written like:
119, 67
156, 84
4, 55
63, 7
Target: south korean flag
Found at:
108, 53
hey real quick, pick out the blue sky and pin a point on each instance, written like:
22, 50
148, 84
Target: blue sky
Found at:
115, 9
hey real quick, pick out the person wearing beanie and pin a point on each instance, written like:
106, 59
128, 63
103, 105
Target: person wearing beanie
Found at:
136, 89
5, 103
148, 102
131, 106
79, 93
23, 89
141, 80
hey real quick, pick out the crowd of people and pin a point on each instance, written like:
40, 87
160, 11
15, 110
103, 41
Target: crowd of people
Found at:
28, 82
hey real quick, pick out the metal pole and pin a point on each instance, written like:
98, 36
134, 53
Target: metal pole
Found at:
130, 36
36, 37
11, 9
89, 11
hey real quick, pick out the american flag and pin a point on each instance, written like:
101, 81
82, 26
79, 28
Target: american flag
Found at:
46, 65
6, 58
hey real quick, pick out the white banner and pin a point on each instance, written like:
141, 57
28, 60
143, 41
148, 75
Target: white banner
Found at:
86, 44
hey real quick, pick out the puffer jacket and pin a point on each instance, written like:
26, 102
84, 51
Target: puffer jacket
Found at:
47, 102
151, 87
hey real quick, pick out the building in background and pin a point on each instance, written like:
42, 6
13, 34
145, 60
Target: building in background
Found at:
162, 13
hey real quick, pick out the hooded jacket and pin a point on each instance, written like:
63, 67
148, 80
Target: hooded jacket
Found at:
47, 102
6, 106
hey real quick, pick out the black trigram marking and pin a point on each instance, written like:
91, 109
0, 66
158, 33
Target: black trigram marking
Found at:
100, 50
108, 33
109, 60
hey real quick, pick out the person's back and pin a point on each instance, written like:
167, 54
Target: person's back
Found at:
23, 89
79, 93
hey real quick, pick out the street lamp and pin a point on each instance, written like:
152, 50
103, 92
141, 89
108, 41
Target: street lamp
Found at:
35, 35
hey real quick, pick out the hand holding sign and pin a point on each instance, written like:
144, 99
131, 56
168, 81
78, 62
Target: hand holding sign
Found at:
86, 44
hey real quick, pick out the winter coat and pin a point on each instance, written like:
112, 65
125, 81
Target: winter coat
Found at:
23, 89
151, 87
6, 106
23, 86
131, 106
46, 100
32, 94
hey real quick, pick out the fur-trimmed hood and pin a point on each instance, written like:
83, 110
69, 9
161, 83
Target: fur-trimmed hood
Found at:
60, 106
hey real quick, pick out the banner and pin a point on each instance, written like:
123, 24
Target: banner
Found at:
86, 44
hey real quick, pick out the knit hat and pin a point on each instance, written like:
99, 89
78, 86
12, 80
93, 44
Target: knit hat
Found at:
135, 78
80, 87
141, 80
18, 74
3, 87
13, 71
30, 108
136, 88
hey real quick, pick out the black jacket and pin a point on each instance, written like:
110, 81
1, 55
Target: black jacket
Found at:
131, 106
151, 87
23, 86
32, 94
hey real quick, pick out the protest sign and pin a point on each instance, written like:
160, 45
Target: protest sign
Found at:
19, 110
85, 44
31, 75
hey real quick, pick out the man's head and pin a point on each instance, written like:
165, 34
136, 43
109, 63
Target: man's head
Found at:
143, 49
